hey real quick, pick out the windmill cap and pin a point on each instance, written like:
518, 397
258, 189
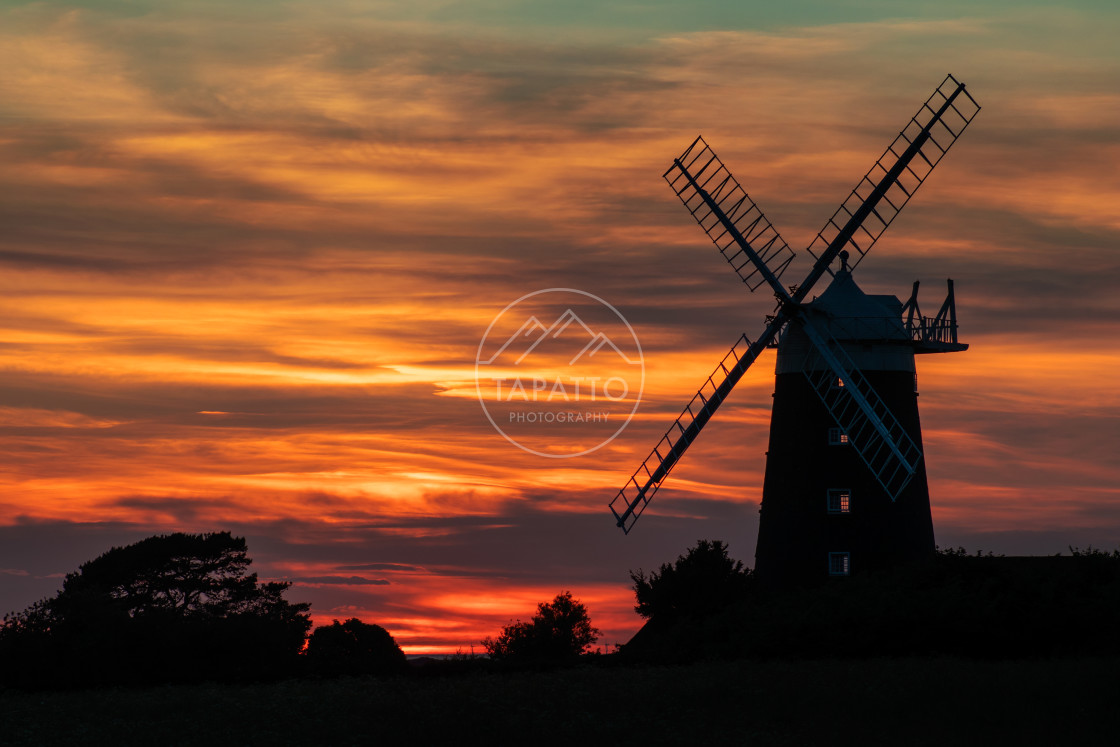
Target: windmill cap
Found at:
851, 314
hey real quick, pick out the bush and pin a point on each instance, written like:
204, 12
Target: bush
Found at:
353, 647
955, 604
702, 581
559, 632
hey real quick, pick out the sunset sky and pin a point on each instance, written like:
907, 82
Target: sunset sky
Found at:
248, 251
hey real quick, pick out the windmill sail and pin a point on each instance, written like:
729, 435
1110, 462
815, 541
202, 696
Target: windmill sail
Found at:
880, 440
891, 182
628, 505
729, 216
757, 252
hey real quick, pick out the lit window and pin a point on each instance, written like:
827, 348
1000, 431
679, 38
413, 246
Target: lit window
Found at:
837, 437
837, 382
839, 564
839, 500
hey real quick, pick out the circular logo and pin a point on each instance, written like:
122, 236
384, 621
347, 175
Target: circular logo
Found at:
559, 372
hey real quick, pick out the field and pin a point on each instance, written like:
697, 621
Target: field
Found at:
879, 701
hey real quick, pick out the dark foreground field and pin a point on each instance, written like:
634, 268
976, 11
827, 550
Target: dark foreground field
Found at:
900, 701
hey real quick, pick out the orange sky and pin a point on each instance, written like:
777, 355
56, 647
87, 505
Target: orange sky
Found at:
248, 257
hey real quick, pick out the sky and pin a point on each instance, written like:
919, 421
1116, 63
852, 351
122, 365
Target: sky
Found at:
249, 252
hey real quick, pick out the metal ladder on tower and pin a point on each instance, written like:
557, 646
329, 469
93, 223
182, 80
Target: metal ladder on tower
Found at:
876, 435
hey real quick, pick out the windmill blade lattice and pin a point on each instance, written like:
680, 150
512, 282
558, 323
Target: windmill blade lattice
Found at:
758, 254
875, 433
891, 182
728, 215
628, 505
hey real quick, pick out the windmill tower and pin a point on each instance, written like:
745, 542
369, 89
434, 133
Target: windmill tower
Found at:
845, 486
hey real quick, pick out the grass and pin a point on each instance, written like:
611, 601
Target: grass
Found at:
878, 701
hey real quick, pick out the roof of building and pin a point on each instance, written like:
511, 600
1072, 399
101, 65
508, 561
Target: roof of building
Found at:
852, 314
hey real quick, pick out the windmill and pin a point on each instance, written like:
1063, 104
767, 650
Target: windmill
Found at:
845, 483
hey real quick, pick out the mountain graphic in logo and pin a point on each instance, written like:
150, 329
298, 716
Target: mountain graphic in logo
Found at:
568, 332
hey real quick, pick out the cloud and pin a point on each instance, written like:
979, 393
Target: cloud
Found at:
380, 567
336, 581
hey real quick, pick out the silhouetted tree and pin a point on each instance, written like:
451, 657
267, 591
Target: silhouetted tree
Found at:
700, 582
560, 631
171, 607
354, 647
955, 604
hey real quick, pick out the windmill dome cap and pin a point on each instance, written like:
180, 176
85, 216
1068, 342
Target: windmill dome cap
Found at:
854, 315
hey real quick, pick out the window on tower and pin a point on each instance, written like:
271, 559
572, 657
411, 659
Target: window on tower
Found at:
839, 500
839, 564
837, 437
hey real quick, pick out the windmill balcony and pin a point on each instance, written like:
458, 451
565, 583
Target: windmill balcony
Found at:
924, 334
934, 335
932, 329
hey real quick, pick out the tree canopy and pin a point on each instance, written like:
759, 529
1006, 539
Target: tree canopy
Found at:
353, 647
561, 630
702, 581
174, 607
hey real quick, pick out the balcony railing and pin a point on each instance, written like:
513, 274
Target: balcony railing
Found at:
932, 329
